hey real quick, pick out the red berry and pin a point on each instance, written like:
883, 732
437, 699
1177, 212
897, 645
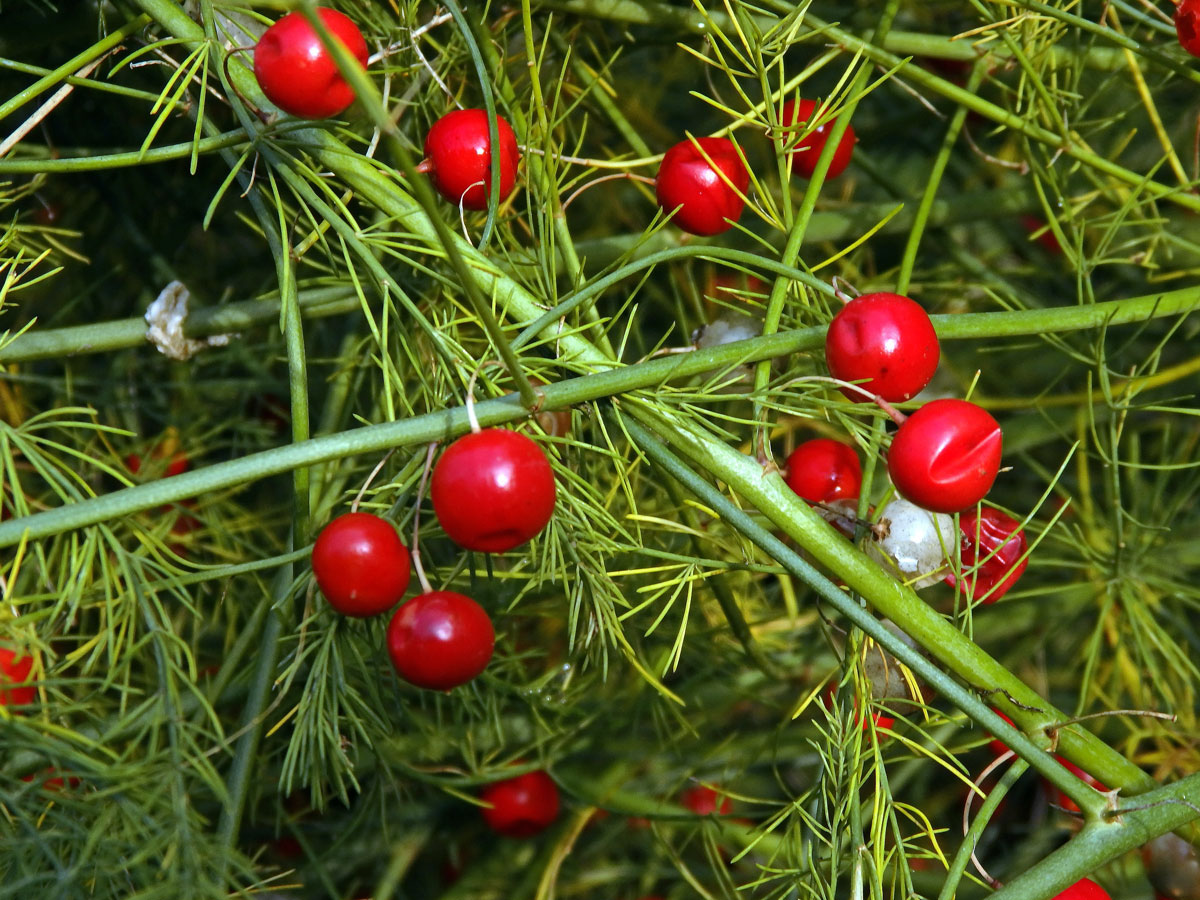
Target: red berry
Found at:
458, 157
809, 147
54, 783
880, 720
15, 669
521, 806
993, 545
1049, 242
360, 564
296, 72
1062, 799
886, 339
1187, 25
997, 746
440, 640
492, 490
946, 455
1083, 890
704, 202
176, 465
704, 801
823, 469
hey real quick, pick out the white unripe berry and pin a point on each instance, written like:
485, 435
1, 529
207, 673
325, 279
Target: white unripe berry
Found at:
914, 543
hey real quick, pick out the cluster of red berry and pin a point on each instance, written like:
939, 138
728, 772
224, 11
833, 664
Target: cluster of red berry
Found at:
703, 181
492, 490
943, 458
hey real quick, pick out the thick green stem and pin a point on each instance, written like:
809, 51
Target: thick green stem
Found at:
445, 424
121, 334
772, 497
1135, 824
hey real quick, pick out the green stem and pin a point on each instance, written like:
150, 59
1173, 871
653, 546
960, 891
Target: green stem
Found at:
445, 424
1152, 814
105, 87
120, 334
971, 839
104, 161
95, 51
921, 219
237, 784
770, 495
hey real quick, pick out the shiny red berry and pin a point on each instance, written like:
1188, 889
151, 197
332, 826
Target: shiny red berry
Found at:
521, 806
1187, 25
458, 157
704, 801
1062, 799
705, 194
492, 490
15, 669
1083, 890
823, 469
992, 554
808, 147
886, 339
946, 455
360, 564
298, 74
440, 640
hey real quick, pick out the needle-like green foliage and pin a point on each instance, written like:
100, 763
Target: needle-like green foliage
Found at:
204, 725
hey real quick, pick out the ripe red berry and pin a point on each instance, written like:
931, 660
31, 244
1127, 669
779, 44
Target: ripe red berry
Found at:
440, 640
993, 545
521, 806
1083, 890
1062, 799
997, 746
298, 74
705, 196
177, 464
823, 469
704, 801
492, 490
15, 669
880, 720
1187, 25
458, 157
54, 782
946, 455
361, 565
808, 148
886, 339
